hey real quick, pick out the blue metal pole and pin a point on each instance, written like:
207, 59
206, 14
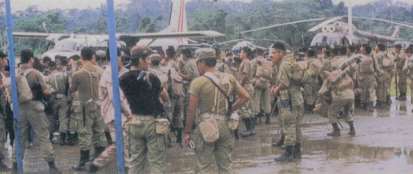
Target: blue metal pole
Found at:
111, 24
15, 99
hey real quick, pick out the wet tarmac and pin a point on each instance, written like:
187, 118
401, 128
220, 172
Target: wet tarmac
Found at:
383, 145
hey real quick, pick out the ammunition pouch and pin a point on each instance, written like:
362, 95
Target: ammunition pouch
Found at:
162, 126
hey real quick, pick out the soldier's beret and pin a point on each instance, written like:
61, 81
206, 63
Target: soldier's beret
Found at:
205, 53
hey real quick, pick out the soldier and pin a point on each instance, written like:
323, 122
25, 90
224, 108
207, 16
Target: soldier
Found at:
108, 113
290, 100
366, 79
262, 72
59, 83
340, 84
148, 127
244, 76
175, 90
209, 94
85, 81
408, 67
384, 75
401, 75
3, 113
32, 111
75, 114
311, 80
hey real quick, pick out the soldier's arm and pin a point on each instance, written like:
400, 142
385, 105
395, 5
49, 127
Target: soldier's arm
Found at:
74, 83
242, 98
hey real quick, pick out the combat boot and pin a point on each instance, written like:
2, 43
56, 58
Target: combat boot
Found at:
98, 151
253, 122
297, 152
259, 117
267, 119
247, 132
84, 158
336, 131
52, 168
280, 142
93, 168
352, 131
370, 107
287, 156
14, 168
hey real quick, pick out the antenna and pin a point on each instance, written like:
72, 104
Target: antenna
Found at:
350, 21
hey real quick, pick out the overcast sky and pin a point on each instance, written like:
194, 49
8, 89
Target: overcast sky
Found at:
82, 4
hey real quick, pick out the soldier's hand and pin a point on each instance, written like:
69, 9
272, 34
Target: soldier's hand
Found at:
275, 90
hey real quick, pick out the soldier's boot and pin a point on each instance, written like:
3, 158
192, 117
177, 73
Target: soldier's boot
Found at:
259, 117
378, 105
84, 158
336, 131
297, 153
179, 135
52, 168
98, 151
108, 137
280, 142
287, 156
3, 166
267, 118
370, 107
247, 132
402, 96
253, 122
71, 138
352, 131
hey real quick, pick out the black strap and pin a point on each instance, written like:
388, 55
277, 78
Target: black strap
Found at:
223, 93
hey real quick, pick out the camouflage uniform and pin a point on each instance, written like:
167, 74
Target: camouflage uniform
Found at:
58, 81
246, 112
311, 83
367, 81
213, 103
262, 72
408, 69
91, 130
385, 73
290, 100
3, 113
400, 61
32, 112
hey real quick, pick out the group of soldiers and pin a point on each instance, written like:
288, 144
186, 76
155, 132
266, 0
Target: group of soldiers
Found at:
195, 97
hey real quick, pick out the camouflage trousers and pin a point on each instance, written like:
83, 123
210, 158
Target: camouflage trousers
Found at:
262, 101
247, 111
383, 86
290, 120
218, 153
147, 149
60, 111
341, 109
402, 83
32, 113
3, 138
367, 85
92, 127
108, 155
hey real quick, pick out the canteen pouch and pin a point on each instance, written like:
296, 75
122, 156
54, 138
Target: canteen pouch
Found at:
233, 122
162, 126
209, 130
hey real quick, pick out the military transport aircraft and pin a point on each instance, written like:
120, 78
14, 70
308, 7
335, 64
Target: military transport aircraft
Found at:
67, 44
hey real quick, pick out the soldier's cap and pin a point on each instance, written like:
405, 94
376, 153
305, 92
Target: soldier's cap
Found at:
2, 54
205, 53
